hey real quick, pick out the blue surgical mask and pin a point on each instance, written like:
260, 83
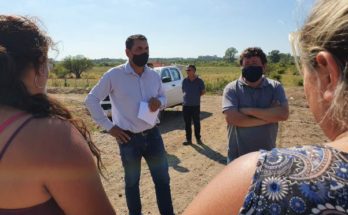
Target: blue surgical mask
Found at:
252, 73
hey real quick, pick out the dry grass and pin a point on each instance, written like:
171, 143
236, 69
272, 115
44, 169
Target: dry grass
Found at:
215, 78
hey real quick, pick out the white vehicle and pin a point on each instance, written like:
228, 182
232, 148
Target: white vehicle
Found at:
106, 105
171, 80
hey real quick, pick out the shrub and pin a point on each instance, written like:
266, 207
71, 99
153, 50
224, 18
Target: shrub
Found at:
60, 71
281, 71
295, 72
300, 82
276, 76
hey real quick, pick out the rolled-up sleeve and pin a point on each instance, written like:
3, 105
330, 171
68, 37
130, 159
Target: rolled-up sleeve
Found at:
99, 92
280, 95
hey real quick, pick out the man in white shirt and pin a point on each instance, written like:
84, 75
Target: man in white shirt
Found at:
127, 86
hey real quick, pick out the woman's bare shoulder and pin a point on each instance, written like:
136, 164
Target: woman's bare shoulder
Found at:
55, 129
54, 137
226, 192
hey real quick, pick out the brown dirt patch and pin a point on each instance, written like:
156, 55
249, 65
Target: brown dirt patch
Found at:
191, 167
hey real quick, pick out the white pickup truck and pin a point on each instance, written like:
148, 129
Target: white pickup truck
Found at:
171, 81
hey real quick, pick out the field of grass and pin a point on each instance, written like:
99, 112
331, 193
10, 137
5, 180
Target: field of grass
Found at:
215, 77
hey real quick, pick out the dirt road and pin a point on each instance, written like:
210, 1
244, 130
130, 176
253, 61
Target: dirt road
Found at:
192, 167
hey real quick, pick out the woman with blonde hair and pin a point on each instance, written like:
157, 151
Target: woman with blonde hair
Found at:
306, 179
46, 156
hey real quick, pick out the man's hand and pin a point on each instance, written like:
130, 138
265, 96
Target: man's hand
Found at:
119, 134
273, 114
275, 103
154, 104
239, 119
251, 111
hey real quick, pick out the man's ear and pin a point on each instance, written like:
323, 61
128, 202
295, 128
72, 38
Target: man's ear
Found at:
332, 74
264, 67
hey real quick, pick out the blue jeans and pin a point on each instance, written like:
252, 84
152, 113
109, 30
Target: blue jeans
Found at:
150, 146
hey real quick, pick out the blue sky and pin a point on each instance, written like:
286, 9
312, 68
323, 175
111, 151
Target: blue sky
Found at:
174, 28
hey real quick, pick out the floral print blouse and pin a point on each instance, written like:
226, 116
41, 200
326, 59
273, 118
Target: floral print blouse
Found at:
299, 180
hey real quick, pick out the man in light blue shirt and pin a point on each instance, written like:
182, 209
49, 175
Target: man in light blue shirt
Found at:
127, 86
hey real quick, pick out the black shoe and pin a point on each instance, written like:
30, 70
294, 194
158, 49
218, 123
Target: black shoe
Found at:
187, 142
199, 142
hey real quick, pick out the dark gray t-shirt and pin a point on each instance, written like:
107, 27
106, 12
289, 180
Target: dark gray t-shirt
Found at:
238, 94
192, 91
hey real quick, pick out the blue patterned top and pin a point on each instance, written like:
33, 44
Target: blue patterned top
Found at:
299, 180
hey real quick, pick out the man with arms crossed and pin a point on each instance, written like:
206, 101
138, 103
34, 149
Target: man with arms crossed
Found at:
253, 105
128, 85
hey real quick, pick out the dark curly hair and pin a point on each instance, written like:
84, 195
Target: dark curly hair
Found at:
23, 45
253, 52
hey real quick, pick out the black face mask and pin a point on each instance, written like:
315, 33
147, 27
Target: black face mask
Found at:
252, 73
141, 59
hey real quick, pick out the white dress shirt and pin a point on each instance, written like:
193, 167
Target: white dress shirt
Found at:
126, 90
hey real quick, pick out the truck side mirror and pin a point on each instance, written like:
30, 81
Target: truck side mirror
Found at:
166, 79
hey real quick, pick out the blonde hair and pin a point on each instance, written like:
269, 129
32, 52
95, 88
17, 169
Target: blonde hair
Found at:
326, 29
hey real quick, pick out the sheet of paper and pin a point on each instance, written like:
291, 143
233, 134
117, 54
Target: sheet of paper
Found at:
146, 115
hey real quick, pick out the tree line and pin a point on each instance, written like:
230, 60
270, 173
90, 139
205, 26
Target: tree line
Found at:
76, 65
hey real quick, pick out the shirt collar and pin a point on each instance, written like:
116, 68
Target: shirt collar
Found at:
193, 79
130, 70
264, 82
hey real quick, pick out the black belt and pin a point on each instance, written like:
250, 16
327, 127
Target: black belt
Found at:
142, 133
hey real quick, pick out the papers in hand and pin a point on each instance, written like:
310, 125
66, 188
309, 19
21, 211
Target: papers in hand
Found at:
146, 114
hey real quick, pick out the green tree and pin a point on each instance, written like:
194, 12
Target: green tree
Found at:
230, 54
274, 56
77, 65
286, 59
60, 70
